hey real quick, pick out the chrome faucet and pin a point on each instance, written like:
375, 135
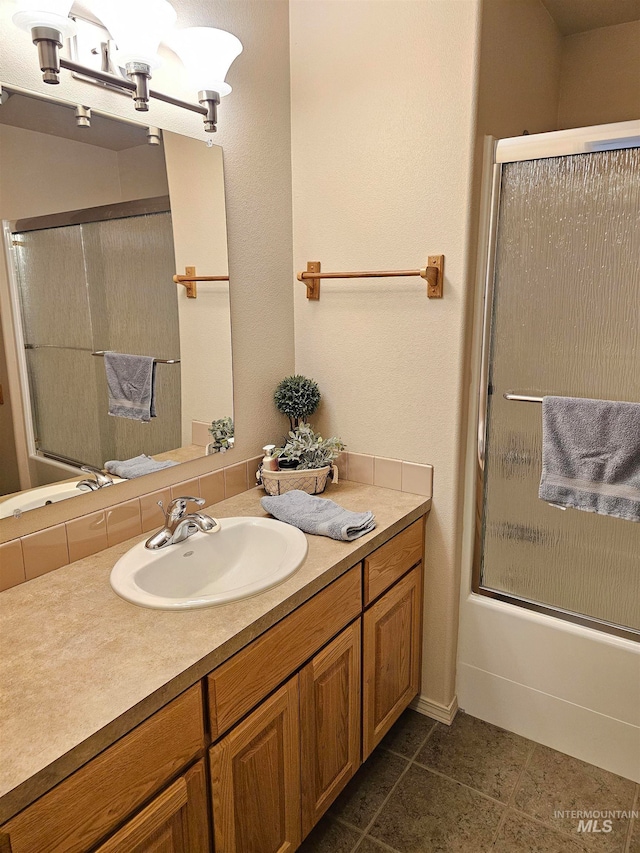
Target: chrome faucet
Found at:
179, 524
99, 482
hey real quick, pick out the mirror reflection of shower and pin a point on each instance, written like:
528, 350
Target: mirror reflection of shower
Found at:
89, 287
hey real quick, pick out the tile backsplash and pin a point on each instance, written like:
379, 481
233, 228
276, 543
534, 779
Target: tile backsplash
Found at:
49, 549
395, 474
53, 547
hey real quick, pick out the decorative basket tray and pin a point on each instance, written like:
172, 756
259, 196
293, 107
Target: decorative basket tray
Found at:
309, 480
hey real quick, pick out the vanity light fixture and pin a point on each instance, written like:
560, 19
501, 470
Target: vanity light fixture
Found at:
137, 29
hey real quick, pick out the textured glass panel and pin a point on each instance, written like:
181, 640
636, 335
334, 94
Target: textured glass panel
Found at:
63, 394
134, 309
99, 286
53, 291
566, 321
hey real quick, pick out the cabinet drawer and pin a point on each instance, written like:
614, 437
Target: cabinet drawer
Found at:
174, 822
392, 560
240, 683
84, 808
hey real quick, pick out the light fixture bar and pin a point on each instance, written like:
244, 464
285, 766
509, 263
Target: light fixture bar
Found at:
206, 52
130, 86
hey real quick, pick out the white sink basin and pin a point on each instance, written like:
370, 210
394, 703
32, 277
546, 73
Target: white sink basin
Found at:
245, 557
43, 495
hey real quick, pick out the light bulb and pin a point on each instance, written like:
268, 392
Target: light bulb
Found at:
136, 26
207, 54
45, 13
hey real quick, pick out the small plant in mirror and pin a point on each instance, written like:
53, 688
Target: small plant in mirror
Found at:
305, 448
297, 397
222, 433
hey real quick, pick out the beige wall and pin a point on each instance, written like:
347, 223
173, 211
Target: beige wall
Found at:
200, 240
44, 174
382, 138
142, 172
48, 175
519, 73
254, 130
600, 76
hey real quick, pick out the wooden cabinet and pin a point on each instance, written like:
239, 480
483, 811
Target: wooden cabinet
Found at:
255, 779
275, 774
391, 654
245, 679
329, 723
392, 560
91, 803
291, 715
175, 822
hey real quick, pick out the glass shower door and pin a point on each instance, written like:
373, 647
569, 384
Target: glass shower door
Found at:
565, 321
95, 286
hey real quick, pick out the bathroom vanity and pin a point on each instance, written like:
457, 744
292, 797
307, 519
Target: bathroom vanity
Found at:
262, 709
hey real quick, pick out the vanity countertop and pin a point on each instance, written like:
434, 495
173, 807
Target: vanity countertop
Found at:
81, 667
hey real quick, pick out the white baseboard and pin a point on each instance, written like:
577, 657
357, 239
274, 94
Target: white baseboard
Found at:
442, 713
597, 738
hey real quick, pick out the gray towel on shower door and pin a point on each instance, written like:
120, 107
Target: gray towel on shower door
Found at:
591, 455
131, 383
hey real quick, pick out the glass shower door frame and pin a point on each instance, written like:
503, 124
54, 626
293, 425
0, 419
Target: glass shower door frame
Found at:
539, 146
23, 425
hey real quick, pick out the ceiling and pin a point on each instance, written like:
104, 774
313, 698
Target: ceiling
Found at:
577, 16
33, 113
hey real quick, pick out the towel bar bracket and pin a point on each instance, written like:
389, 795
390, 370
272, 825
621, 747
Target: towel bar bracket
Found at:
433, 273
190, 286
313, 284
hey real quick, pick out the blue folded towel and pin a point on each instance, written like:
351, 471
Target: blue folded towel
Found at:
319, 516
591, 456
138, 466
131, 383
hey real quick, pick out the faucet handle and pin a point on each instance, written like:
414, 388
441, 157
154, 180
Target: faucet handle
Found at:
102, 479
178, 507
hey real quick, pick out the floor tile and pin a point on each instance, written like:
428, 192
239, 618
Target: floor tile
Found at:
330, 836
429, 813
519, 834
366, 792
408, 734
369, 845
556, 782
634, 844
478, 754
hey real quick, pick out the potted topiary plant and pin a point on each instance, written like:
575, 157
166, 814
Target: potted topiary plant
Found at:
308, 449
222, 432
311, 458
297, 397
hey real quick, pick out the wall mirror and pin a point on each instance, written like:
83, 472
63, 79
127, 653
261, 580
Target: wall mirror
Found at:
98, 215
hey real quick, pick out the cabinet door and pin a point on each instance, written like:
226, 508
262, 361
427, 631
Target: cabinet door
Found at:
176, 821
330, 723
255, 779
391, 657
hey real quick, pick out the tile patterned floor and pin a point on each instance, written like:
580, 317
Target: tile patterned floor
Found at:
470, 788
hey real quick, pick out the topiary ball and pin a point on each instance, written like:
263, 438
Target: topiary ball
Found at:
297, 397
